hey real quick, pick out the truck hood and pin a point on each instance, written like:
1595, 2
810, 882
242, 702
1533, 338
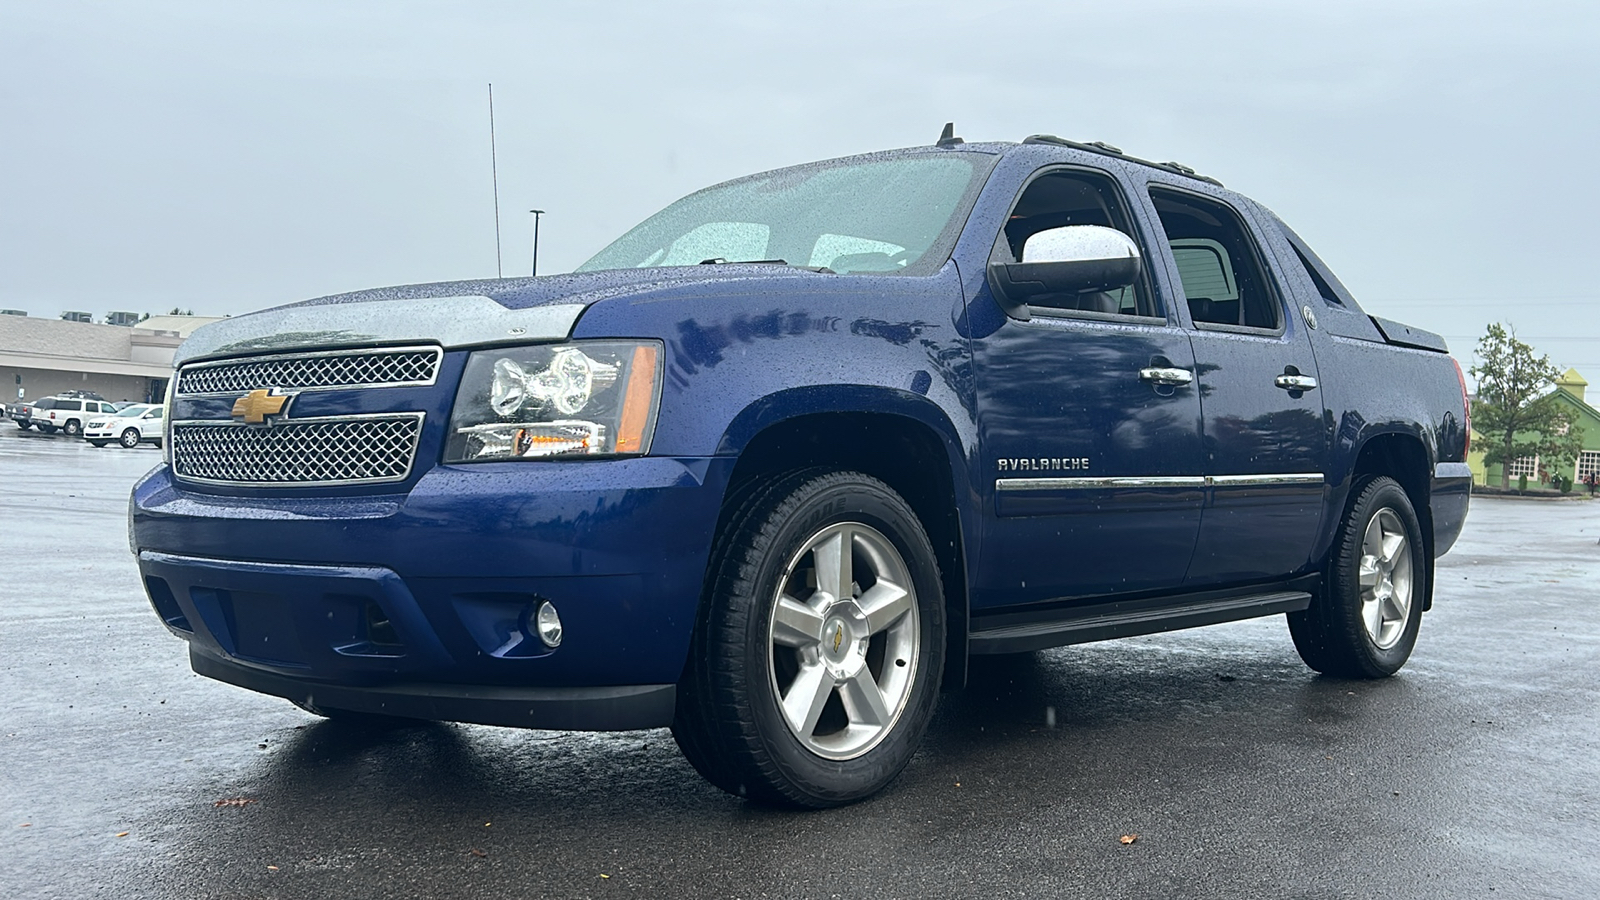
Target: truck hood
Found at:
459, 313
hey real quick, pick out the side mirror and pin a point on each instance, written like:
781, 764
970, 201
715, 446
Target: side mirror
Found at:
1074, 259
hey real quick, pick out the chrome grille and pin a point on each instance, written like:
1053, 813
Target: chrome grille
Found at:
298, 452
328, 370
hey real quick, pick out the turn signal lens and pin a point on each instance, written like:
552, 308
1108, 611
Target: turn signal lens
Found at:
640, 400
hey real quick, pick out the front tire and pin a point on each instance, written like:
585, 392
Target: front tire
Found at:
99, 443
130, 438
1364, 621
819, 646
73, 428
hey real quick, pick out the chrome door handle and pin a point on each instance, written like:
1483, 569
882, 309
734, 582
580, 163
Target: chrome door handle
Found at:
1295, 382
1167, 376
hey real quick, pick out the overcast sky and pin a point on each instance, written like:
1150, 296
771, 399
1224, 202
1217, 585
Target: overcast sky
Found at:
226, 157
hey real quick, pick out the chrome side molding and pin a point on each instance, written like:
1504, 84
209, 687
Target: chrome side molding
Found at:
1175, 481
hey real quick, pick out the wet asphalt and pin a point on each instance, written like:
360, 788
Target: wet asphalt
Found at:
1475, 772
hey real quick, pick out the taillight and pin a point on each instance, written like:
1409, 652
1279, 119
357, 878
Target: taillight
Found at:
1466, 404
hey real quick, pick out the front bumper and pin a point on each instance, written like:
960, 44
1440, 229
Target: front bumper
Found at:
417, 604
618, 708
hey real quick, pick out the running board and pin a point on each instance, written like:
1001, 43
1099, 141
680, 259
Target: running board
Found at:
1118, 620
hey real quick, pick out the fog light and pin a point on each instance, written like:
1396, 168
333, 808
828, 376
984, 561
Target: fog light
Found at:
549, 624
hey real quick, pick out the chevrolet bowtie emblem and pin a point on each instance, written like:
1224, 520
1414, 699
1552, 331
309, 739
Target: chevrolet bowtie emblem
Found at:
255, 406
838, 637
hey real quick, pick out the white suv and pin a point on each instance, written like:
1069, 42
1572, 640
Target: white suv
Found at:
129, 426
67, 414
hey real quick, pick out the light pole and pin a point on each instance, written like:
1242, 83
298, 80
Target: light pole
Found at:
536, 214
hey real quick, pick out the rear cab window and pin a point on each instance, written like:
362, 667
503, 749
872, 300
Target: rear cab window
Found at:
1333, 292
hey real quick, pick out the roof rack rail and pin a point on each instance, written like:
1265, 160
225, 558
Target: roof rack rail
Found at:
1100, 147
1182, 169
1105, 149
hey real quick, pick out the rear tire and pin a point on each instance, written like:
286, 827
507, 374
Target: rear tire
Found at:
1363, 623
819, 645
47, 429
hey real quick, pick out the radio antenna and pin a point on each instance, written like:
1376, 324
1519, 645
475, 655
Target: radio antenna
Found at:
494, 173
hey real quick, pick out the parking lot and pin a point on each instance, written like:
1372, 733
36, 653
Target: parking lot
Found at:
1236, 771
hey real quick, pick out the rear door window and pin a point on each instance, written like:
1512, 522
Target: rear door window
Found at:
1224, 280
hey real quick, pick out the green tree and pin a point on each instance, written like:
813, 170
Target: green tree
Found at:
1514, 411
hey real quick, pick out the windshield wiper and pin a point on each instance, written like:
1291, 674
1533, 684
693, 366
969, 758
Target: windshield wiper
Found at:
719, 261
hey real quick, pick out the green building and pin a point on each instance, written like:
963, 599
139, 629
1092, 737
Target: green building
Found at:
1569, 391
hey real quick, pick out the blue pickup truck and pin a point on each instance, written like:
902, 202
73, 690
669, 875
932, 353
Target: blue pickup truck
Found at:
772, 466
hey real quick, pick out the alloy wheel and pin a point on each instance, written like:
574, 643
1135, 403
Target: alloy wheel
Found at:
1385, 579
844, 638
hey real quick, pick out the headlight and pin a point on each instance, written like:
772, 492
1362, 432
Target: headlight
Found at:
594, 397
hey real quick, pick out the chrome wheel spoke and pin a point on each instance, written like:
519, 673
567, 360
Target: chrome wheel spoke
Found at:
864, 701
1369, 576
1372, 617
884, 603
1398, 607
809, 693
795, 624
834, 565
1392, 545
1372, 538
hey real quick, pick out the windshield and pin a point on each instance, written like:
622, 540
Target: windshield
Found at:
886, 214
131, 411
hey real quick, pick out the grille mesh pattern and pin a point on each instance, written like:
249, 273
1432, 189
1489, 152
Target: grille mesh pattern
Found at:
312, 371
307, 452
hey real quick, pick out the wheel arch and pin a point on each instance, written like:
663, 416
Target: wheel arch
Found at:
1405, 458
899, 438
